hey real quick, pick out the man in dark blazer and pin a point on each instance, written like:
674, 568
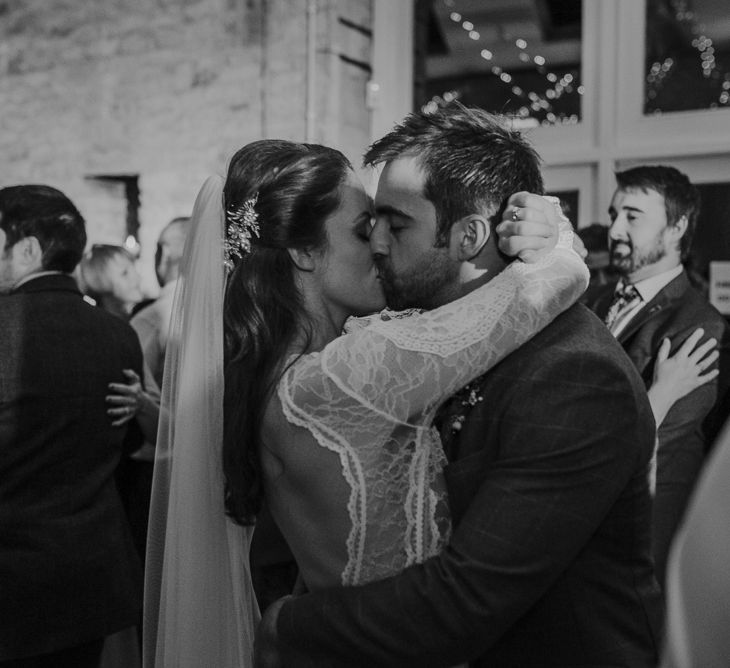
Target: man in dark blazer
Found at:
69, 574
549, 561
653, 216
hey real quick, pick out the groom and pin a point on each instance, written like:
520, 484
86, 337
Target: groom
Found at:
549, 561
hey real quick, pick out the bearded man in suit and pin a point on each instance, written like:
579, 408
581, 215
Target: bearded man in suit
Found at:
69, 574
653, 215
549, 560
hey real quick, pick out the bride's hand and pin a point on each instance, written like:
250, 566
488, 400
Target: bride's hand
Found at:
677, 376
530, 224
124, 399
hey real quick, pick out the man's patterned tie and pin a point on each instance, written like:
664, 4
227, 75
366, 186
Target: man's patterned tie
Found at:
624, 297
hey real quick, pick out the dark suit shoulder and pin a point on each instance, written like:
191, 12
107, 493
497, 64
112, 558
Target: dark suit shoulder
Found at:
66, 332
576, 338
572, 377
693, 308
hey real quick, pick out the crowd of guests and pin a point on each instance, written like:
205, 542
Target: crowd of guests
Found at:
80, 387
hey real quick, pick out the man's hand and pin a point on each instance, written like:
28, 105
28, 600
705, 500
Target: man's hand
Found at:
266, 652
530, 224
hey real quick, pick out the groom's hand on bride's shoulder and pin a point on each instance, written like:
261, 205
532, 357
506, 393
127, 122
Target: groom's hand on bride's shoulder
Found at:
530, 224
266, 650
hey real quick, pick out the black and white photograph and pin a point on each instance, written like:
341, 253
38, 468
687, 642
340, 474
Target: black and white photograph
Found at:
358, 333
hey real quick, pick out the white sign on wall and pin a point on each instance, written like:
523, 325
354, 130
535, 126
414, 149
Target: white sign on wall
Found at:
720, 286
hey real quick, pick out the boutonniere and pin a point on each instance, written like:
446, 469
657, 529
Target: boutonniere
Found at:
465, 399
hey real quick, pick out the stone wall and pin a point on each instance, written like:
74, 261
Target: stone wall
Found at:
165, 91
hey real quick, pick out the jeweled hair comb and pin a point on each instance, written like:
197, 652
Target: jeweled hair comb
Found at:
242, 224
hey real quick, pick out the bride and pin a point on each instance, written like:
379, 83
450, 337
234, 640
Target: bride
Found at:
331, 431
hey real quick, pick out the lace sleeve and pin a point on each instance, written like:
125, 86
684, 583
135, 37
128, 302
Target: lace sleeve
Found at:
403, 369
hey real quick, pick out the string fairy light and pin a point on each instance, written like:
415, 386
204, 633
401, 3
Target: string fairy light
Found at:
660, 72
533, 102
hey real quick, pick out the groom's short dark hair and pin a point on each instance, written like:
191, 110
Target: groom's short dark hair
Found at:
471, 159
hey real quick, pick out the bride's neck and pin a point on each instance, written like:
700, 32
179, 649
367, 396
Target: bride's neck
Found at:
323, 323
313, 335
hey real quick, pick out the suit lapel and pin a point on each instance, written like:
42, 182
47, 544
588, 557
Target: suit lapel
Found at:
602, 301
668, 295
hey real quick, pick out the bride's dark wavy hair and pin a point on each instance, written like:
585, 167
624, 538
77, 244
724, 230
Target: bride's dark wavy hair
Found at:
297, 188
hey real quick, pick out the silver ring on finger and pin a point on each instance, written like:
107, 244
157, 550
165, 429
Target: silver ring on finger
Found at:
515, 214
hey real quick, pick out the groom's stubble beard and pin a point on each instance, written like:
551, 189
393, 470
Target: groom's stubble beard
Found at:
423, 284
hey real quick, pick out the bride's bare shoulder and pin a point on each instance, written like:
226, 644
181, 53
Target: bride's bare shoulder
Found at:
289, 448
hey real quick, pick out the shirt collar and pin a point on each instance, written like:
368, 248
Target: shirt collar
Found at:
650, 287
36, 274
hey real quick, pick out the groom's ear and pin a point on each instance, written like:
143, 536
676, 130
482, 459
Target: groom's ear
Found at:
305, 259
468, 236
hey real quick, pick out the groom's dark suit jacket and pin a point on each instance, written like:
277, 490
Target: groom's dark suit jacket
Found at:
68, 570
549, 563
691, 424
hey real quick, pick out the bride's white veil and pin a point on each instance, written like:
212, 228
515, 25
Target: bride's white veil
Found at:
199, 605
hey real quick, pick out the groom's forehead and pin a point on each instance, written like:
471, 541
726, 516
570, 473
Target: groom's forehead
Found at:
405, 205
401, 181
394, 196
404, 173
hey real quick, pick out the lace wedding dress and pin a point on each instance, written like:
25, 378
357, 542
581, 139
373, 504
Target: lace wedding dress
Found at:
371, 396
